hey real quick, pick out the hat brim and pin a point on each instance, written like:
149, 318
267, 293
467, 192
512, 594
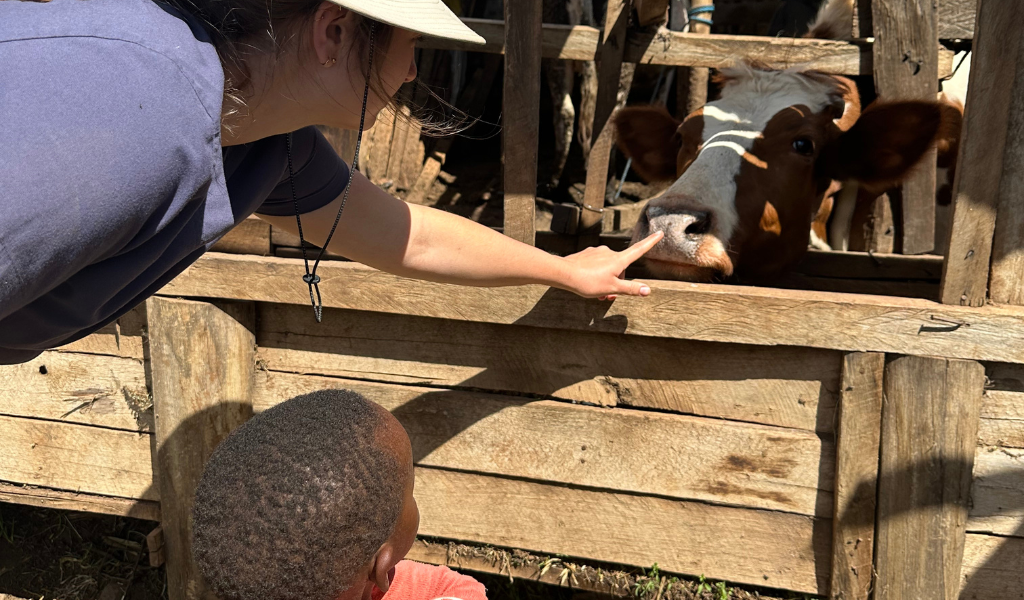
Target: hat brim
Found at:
429, 17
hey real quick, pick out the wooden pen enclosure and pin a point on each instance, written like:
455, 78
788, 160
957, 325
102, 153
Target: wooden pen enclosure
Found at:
842, 445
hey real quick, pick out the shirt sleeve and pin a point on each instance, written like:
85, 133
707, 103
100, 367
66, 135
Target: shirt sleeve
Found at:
417, 581
318, 174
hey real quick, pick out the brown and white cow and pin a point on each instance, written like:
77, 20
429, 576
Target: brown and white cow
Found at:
755, 168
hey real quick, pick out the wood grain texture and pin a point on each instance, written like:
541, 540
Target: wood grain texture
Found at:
106, 391
997, 53
737, 545
992, 568
906, 68
929, 437
251, 236
857, 445
90, 503
790, 387
521, 113
956, 19
997, 492
719, 313
1007, 281
670, 48
65, 456
203, 364
609, 57
709, 460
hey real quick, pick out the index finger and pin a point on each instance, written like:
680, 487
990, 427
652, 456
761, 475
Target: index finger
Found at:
643, 246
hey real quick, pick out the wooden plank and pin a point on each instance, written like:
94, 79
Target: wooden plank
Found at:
711, 460
929, 434
651, 12
997, 492
89, 503
956, 19
120, 338
790, 387
927, 290
521, 111
882, 236
720, 313
622, 217
992, 568
1007, 282
906, 68
106, 391
670, 48
997, 52
609, 57
739, 545
77, 458
251, 236
857, 444
1002, 408
203, 365
861, 265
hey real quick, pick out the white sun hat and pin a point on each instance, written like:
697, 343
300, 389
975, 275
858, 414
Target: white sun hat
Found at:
429, 17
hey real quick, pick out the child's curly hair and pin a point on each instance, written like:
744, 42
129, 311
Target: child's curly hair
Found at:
297, 499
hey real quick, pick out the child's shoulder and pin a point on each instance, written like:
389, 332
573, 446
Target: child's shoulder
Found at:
418, 581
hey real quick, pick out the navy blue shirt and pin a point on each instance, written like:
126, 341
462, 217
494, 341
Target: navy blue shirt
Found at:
112, 175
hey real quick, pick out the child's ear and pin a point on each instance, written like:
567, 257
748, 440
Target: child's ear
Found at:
381, 571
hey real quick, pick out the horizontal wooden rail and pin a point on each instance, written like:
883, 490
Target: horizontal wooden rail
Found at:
718, 313
663, 47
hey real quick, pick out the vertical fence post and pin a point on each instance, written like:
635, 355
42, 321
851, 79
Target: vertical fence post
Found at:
857, 440
202, 363
998, 54
930, 419
521, 116
906, 66
609, 67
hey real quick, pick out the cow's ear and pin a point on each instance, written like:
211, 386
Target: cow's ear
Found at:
887, 141
648, 135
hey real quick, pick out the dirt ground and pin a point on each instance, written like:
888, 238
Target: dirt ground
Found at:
50, 554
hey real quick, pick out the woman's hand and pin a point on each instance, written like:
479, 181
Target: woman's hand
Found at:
597, 272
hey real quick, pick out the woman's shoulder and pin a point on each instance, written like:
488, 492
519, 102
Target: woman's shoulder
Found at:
152, 46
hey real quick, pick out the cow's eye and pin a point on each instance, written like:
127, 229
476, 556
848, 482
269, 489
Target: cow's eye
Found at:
804, 146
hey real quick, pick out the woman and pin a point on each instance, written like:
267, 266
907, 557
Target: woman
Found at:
136, 133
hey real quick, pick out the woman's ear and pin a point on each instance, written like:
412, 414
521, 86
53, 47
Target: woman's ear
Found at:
331, 25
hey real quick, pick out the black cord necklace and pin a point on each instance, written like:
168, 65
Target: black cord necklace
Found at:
311, 278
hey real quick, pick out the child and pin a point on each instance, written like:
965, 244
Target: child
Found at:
313, 500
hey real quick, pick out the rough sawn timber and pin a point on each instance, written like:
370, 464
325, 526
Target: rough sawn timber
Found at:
710, 460
720, 313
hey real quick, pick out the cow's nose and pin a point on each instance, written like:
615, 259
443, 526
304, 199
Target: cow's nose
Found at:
679, 223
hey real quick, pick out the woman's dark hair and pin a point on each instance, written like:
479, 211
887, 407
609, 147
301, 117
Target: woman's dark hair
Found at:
242, 27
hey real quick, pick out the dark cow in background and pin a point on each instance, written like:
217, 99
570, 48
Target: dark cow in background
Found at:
755, 169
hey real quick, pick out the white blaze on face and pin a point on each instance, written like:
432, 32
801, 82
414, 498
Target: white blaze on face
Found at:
731, 126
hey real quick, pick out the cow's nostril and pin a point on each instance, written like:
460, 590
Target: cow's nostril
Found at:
700, 225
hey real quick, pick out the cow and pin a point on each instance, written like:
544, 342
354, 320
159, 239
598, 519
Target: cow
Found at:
752, 171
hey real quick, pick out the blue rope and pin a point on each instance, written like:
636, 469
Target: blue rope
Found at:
694, 13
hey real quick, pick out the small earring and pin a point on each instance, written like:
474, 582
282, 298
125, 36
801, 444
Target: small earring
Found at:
329, 62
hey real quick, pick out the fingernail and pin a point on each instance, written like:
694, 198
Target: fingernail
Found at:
645, 291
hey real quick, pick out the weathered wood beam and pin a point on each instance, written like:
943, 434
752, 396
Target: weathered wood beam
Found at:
857, 443
521, 113
720, 313
929, 440
671, 48
998, 52
203, 372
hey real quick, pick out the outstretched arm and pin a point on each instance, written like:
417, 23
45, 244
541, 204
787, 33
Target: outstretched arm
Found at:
415, 241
